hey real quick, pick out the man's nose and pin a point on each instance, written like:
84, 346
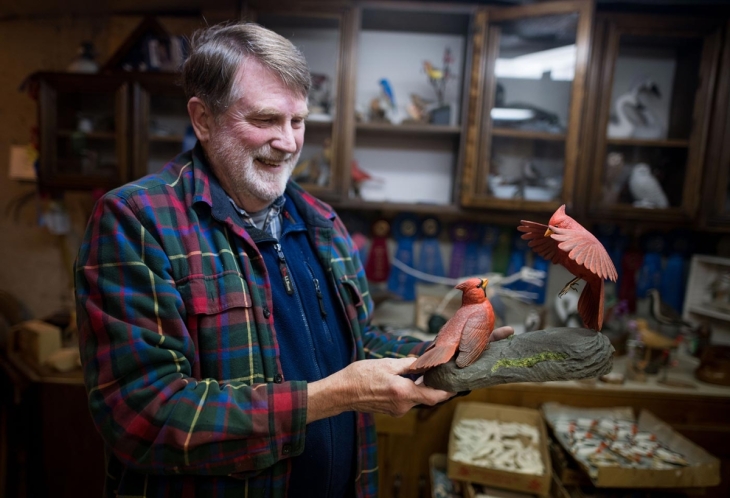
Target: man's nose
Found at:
286, 139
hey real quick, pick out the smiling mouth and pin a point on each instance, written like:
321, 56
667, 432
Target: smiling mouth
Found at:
270, 164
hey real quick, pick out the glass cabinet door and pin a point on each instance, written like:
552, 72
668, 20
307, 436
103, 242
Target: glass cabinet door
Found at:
716, 185
410, 74
535, 63
162, 126
319, 36
83, 124
654, 113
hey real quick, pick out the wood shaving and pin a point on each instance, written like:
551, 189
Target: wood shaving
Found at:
499, 445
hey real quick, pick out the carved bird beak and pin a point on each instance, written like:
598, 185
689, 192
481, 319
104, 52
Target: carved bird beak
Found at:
548, 232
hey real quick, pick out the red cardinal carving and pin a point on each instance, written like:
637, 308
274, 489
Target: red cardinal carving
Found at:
468, 330
564, 241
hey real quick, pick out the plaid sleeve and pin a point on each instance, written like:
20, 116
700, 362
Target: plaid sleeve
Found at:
375, 342
380, 344
137, 355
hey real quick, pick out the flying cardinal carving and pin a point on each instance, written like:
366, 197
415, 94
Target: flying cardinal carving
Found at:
564, 241
468, 331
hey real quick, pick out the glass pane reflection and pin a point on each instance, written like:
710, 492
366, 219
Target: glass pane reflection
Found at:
535, 69
530, 111
86, 139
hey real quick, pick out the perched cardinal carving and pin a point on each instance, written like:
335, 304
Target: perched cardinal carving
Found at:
468, 330
564, 241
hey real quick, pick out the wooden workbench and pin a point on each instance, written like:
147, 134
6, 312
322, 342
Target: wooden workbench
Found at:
702, 414
59, 447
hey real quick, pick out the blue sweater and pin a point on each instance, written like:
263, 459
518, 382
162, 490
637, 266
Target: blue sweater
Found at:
314, 343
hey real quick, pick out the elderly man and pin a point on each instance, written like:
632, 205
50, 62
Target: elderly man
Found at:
223, 311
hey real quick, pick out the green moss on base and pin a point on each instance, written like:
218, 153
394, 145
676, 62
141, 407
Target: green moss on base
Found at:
530, 361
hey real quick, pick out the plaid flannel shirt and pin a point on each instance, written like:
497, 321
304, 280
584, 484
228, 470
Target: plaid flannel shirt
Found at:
180, 356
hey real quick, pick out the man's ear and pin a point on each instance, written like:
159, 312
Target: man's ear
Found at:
201, 119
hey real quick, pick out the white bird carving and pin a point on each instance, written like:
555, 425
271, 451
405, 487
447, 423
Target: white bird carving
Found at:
633, 117
646, 189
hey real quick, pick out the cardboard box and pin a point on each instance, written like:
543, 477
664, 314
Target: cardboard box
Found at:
472, 490
497, 478
703, 469
441, 485
36, 340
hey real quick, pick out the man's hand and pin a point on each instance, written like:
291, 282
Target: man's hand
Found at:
501, 333
373, 386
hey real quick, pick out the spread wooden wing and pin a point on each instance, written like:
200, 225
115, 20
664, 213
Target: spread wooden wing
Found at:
583, 248
544, 246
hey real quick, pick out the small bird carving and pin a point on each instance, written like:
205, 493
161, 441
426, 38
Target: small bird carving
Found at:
652, 338
360, 176
663, 313
646, 189
468, 331
432, 72
387, 92
564, 241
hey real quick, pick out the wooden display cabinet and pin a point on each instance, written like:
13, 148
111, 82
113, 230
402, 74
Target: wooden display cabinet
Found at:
527, 87
103, 131
160, 122
322, 36
410, 141
652, 81
716, 198
83, 123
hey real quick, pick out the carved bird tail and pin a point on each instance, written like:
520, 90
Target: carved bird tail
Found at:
590, 304
435, 355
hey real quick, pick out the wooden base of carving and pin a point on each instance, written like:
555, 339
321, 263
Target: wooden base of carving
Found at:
553, 354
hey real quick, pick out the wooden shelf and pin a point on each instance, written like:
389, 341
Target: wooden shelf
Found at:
98, 135
409, 129
528, 134
710, 312
423, 208
639, 142
166, 138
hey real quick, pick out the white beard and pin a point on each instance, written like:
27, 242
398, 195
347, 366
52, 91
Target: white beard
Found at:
247, 176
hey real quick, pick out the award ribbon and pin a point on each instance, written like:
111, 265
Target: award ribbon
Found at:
401, 283
377, 267
429, 258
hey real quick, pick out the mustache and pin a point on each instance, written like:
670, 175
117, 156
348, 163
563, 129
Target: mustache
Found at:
269, 154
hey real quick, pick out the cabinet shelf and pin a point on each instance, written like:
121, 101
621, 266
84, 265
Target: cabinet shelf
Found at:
415, 207
409, 129
98, 135
166, 138
528, 134
710, 312
638, 142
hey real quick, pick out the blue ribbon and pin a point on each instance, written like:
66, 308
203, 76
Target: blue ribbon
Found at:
429, 258
404, 230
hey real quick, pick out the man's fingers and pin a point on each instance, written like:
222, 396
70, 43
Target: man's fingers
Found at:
401, 365
501, 333
431, 396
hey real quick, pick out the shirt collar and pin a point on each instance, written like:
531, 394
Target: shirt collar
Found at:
273, 211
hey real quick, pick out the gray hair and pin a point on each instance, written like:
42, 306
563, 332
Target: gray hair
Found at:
218, 51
